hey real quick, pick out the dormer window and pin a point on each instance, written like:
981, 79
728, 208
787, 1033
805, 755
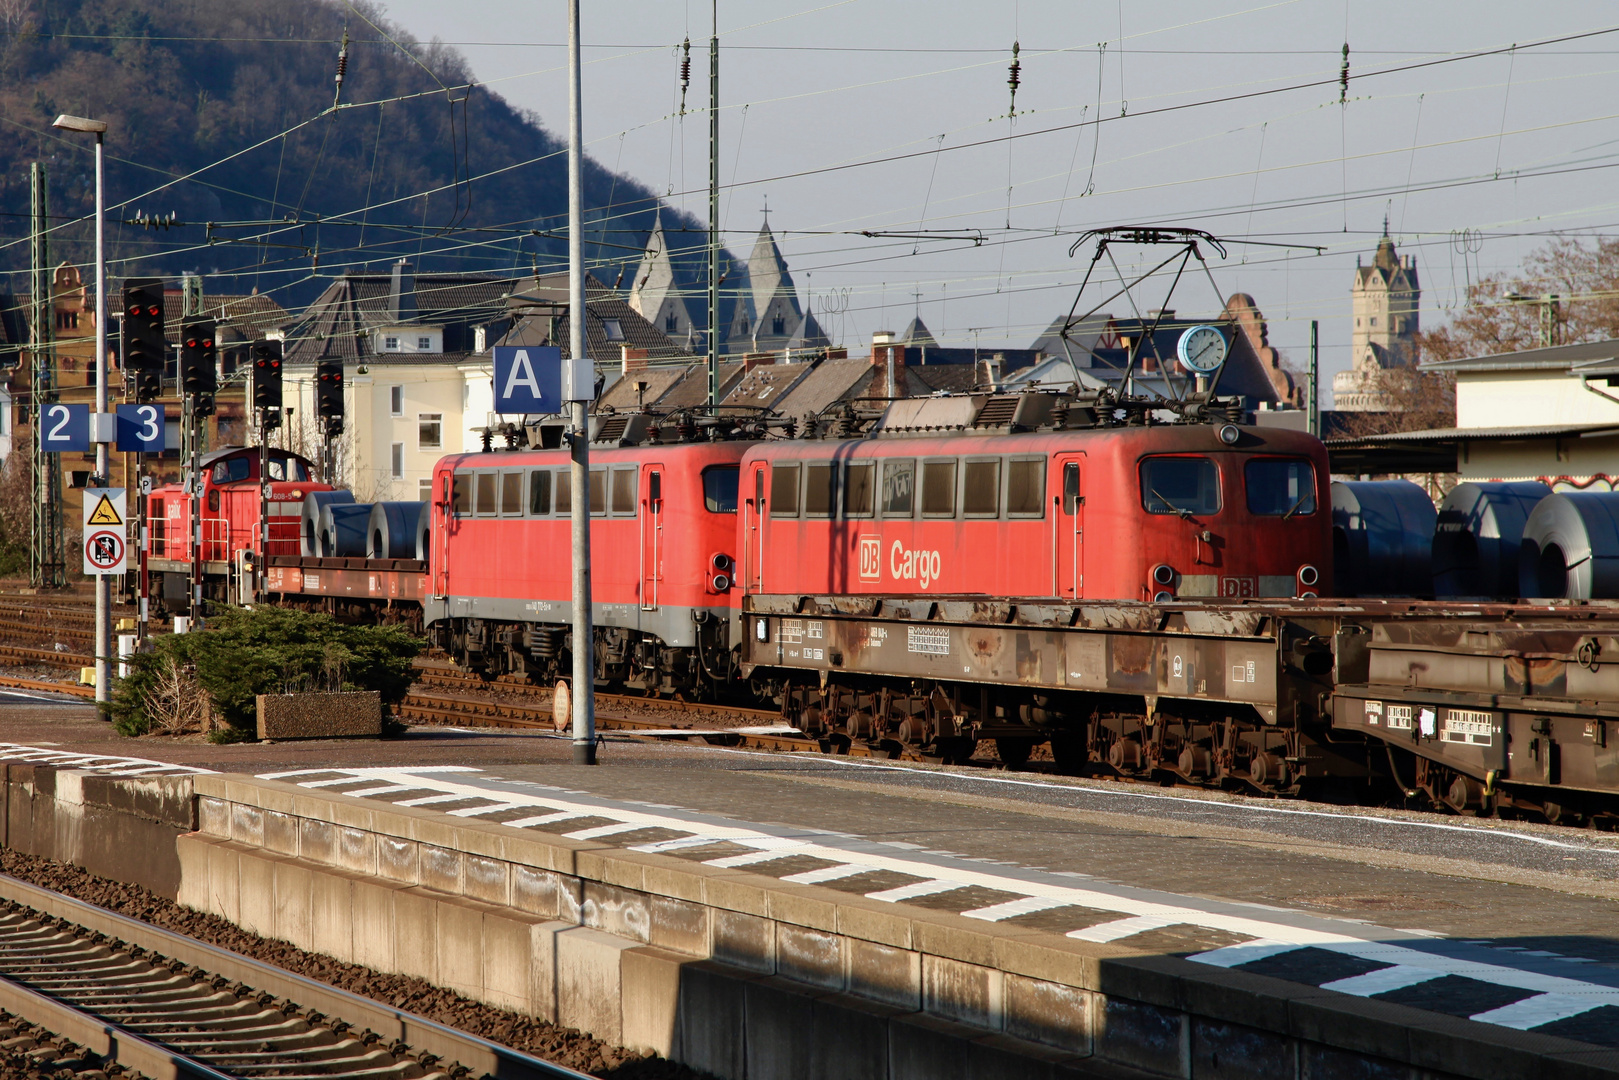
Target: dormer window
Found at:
613, 329
390, 343
424, 344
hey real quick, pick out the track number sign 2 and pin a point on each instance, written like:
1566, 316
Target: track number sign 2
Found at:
106, 548
65, 428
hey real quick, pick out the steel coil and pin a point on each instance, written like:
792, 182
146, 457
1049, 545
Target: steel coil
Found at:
1476, 539
309, 523
394, 531
1382, 538
343, 529
1570, 547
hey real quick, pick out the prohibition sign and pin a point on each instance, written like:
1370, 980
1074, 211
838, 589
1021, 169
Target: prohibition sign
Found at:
104, 550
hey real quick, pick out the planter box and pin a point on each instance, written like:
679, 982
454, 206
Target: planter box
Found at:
320, 716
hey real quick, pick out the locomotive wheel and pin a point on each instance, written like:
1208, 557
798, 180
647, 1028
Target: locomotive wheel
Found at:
1014, 752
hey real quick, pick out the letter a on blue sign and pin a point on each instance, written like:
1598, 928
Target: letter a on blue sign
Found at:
528, 379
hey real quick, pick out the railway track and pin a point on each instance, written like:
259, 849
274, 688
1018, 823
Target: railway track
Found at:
113, 990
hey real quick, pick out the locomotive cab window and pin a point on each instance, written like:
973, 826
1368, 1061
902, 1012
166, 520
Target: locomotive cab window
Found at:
939, 488
623, 491
461, 500
1026, 488
981, 488
539, 492
511, 494
598, 492
899, 489
818, 486
719, 488
486, 492
1279, 487
232, 469
1180, 485
858, 481
784, 490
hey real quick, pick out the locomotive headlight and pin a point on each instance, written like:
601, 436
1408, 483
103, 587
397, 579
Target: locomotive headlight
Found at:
1163, 574
721, 582
721, 562
1229, 434
1308, 575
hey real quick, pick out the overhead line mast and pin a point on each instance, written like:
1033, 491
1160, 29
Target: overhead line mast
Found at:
714, 211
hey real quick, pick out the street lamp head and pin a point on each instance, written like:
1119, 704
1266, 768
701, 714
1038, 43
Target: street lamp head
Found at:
80, 123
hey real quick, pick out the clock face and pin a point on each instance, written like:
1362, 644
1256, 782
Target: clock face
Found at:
1202, 349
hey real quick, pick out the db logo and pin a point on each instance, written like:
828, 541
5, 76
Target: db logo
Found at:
871, 558
1239, 588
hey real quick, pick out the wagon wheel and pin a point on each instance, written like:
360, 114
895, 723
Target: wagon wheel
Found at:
1014, 752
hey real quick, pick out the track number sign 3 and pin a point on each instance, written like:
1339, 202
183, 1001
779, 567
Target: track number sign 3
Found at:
106, 548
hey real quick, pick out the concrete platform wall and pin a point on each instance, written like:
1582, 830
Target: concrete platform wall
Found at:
745, 976
123, 828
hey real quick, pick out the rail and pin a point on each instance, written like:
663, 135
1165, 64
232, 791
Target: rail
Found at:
169, 1006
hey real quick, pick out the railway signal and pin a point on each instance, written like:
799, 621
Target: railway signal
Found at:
329, 394
143, 336
199, 356
266, 374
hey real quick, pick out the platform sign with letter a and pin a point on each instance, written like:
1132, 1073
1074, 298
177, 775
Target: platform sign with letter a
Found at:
105, 535
528, 379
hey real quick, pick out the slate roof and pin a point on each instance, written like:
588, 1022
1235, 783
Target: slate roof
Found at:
250, 313
622, 395
338, 324
538, 309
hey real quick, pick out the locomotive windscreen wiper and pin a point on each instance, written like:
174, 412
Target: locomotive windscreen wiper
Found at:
1179, 510
1306, 497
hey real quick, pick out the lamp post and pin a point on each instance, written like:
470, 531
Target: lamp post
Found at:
98, 128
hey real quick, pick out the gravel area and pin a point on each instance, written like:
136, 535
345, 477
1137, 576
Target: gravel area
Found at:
565, 1046
29, 1052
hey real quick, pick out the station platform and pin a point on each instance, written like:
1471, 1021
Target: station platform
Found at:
1490, 945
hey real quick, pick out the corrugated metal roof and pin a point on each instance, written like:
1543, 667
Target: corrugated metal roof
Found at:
1531, 431
1552, 358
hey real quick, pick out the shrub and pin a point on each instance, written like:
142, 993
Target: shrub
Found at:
265, 650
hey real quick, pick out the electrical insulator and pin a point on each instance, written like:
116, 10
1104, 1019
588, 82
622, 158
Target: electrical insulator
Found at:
685, 72
1014, 78
1343, 78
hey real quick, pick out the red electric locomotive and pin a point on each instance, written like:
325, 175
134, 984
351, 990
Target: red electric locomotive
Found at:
230, 522
1155, 513
663, 536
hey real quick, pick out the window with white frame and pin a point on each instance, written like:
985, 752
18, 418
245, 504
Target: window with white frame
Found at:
396, 400
390, 343
397, 460
424, 490
430, 430
424, 344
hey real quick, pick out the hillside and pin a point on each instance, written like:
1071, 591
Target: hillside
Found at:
453, 179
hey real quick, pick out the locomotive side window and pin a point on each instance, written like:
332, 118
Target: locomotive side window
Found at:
461, 501
858, 481
598, 492
486, 492
564, 492
623, 491
1180, 485
939, 488
1280, 486
1026, 487
539, 491
719, 488
511, 493
784, 490
818, 478
899, 488
981, 488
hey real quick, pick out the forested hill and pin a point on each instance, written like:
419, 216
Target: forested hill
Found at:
452, 178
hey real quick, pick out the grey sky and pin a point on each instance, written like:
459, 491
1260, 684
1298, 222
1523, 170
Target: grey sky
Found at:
805, 86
